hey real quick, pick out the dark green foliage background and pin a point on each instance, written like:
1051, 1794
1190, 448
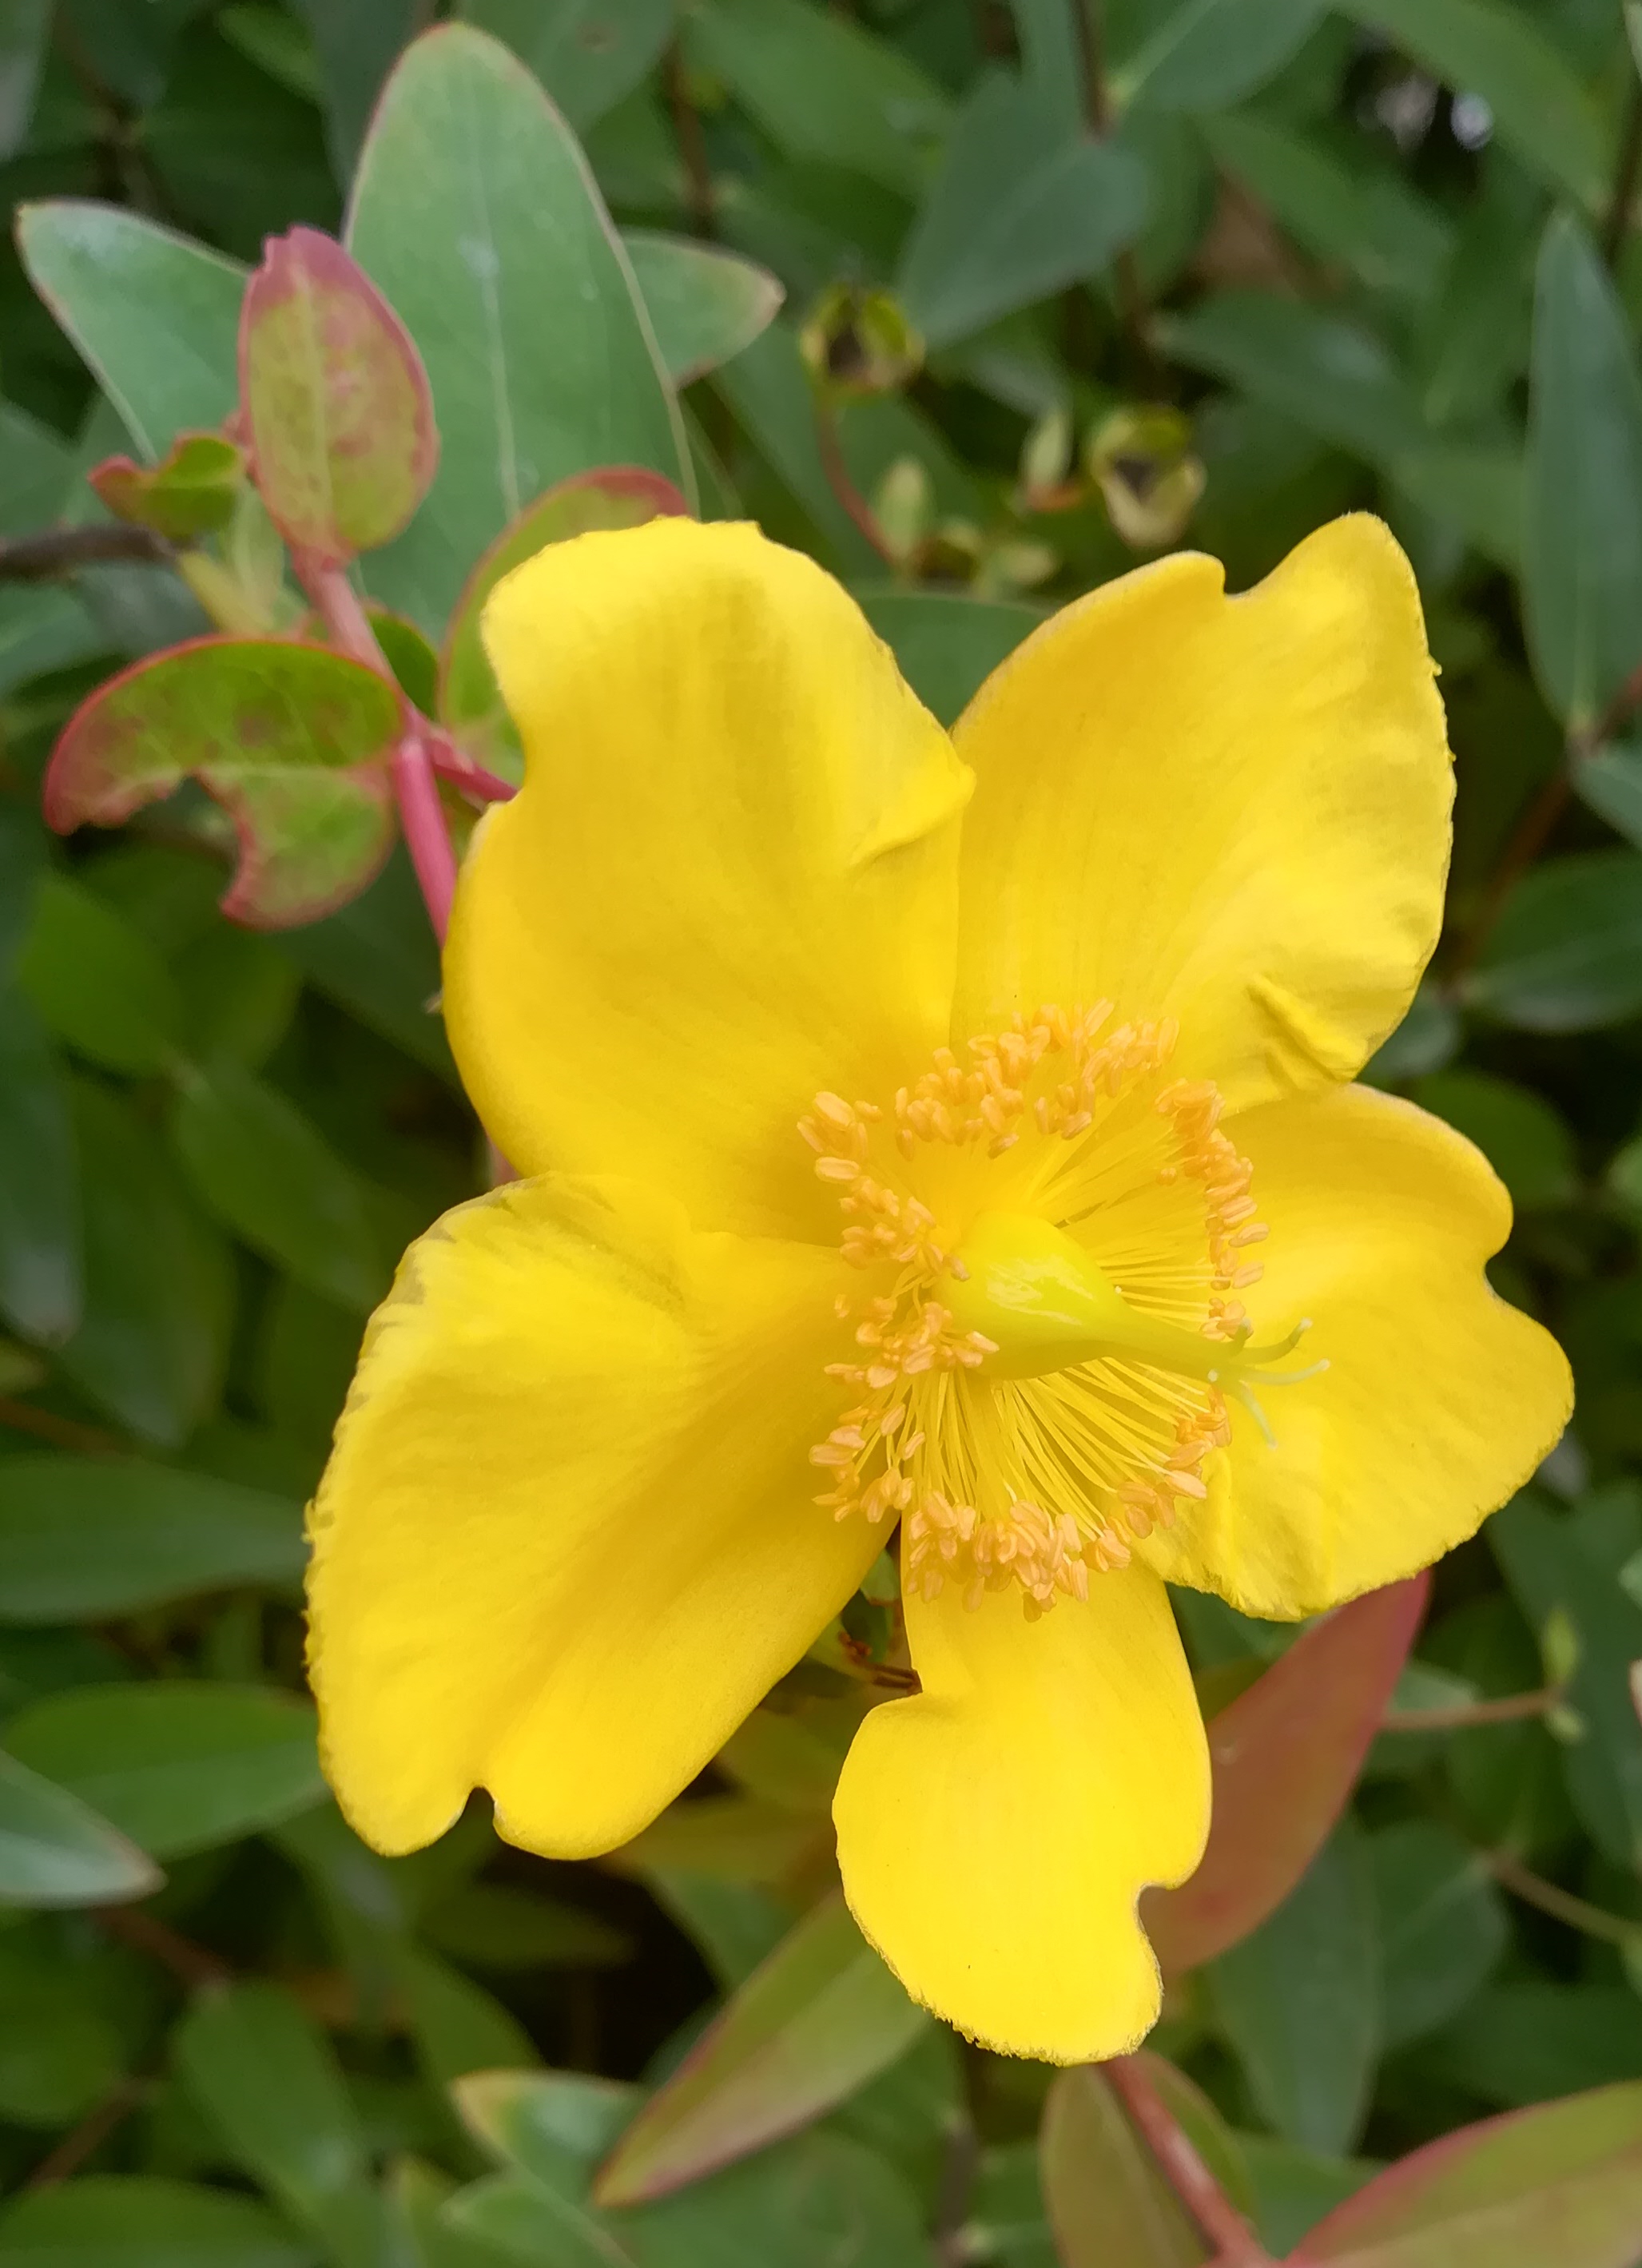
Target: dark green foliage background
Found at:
1335, 283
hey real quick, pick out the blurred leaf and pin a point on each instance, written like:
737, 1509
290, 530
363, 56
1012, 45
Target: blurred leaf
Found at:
1582, 557
587, 54
947, 644
494, 1925
1522, 1137
1107, 2201
268, 1174
459, 2028
1018, 211
355, 43
822, 87
1294, 2188
1565, 955
474, 211
1427, 1038
55, 1850
178, 1767
1207, 55
289, 739
470, 702
1562, 2184
1489, 48
913, 2113
1300, 2001
1330, 375
817, 2018
704, 305
275, 43
154, 314
1352, 211
40, 1197
335, 401
25, 26
733, 1925
238, 995
97, 984
1550, 1571
191, 492
1442, 1925
262, 2072
143, 2221
42, 628
151, 1342
1609, 782
84, 1538
1517, 2043
376, 956
1286, 1755
1008, 2222
770, 390
60, 2054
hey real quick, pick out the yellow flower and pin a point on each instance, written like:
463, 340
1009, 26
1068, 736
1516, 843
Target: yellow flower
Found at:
905, 1116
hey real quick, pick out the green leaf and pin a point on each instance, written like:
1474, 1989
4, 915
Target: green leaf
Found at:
470, 701
474, 212
1299, 2002
335, 401
377, 958
1359, 214
733, 1925
1522, 1137
55, 1850
818, 2018
459, 2026
59, 2052
1520, 2042
193, 492
1442, 1925
1294, 2188
84, 1538
1560, 2183
811, 2202
822, 89
1551, 1570
1017, 212
143, 2221
262, 2073
494, 1925
769, 388
154, 314
97, 984
152, 1338
946, 644
24, 27
1609, 784
177, 1767
1207, 55
289, 739
1541, 113
1331, 376
587, 54
1286, 1755
267, 1174
41, 1272
1582, 554
355, 44
1565, 955
704, 305
1107, 2201
42, 628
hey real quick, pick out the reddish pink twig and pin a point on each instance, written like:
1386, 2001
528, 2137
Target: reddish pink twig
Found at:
1236, 2244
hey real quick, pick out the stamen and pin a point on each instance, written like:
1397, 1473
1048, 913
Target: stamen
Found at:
1004, 1473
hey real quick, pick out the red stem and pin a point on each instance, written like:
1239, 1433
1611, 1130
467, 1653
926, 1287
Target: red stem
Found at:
1234, 2242
411, 766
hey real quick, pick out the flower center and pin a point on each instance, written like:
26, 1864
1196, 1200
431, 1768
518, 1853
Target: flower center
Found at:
1054, 1233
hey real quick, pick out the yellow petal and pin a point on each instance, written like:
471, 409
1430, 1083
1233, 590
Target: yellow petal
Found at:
565, 1543
996, 1829
1440, 1399
728, 881
1231, 811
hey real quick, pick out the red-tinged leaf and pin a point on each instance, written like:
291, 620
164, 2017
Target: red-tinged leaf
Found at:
615, 495
1107, 2199
1560, 2184
334, 399
292, 739
191, 493
1287, 1755
812, 2023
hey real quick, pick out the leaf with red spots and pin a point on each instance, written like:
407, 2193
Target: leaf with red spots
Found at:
191, 493
292, 739
334, 399
614, 496
1561, 2183
1287, 1754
